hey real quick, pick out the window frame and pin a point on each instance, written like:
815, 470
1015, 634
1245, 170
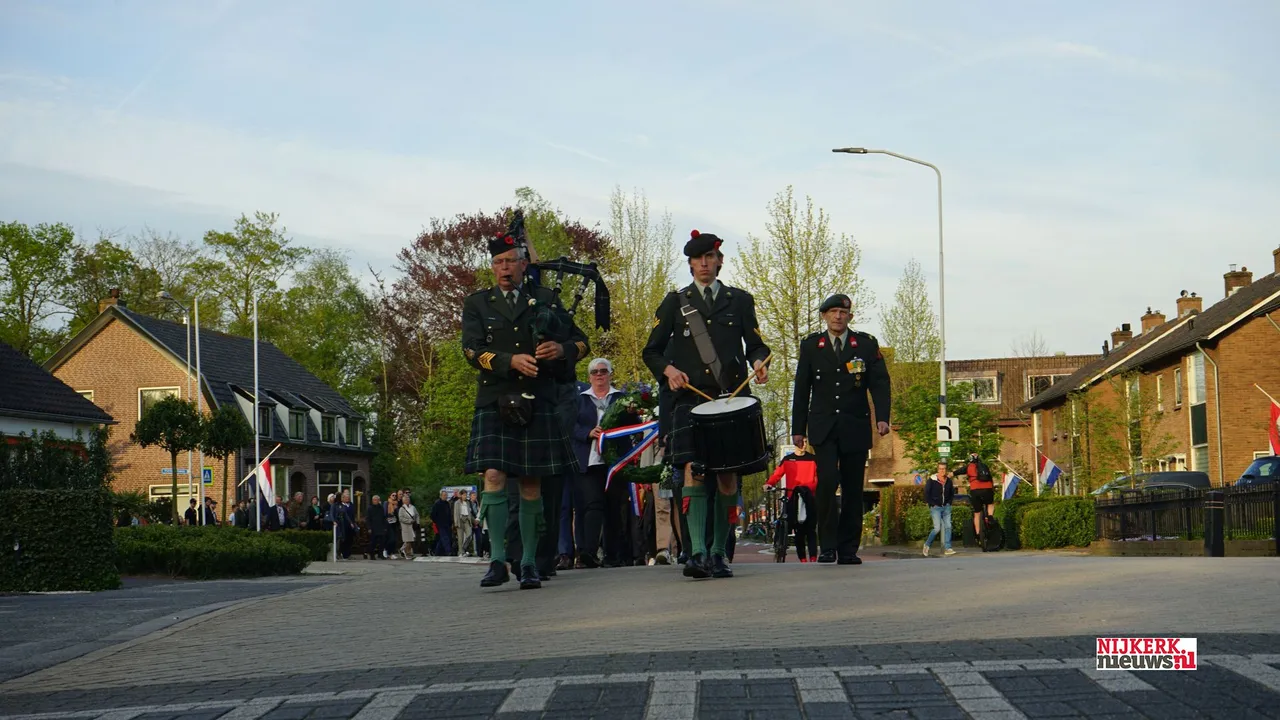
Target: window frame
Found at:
86, 394
264, 430
353, 439
333, 424
301, 418
176, 392
1177, 388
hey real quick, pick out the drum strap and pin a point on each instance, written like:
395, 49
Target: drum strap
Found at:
701, 339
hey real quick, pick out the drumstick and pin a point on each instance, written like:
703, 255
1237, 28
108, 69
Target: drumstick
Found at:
699, 392
754, 373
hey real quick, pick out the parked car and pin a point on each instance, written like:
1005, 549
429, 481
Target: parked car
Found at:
1263, 470
1165, 480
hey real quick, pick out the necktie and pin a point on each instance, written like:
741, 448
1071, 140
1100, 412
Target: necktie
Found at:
836, 344
511, 299
707, 294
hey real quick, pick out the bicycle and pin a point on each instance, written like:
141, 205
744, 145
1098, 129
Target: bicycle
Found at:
781, 527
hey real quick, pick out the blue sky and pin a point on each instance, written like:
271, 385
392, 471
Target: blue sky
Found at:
1098, 157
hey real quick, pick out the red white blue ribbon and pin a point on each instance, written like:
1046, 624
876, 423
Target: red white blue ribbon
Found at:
650, 430
635, 500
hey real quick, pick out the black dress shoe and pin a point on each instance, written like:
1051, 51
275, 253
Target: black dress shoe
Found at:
565, 562
698, 567
850, 560
720, 568
588, 561
496, 576
529, 579
827, 556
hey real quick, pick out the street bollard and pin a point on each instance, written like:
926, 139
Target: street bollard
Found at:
1214, 515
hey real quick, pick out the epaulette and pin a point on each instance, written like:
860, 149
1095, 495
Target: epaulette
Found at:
481, 291
816, 335
867, 335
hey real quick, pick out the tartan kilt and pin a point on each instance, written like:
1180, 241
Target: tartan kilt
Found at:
537, 450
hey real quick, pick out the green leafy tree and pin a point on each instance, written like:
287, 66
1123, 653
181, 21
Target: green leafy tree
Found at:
97, 269
252, 258
225, 432
35, 265
326, 322
1114, 433
174, 425
916, 411
450, 395
640, 270
910, 328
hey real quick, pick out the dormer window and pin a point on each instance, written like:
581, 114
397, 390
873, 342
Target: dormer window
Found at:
353, 431
328, 429
264, 421
297, 426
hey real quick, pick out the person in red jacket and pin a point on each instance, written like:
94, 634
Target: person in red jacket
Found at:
981, 491
799, 474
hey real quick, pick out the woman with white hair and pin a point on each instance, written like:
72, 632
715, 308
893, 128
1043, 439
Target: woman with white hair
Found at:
588, 499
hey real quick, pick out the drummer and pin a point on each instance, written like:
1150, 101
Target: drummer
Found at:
697, 341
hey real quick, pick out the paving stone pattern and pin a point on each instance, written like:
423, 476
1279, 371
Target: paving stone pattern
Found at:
1225, 686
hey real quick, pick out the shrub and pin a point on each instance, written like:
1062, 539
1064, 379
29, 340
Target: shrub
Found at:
1009, 514
1068, 521
42, 551
894, 502
318, 543
208, 552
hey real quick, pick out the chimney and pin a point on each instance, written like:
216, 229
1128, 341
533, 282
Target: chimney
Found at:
1275, 254
1189, 303
1152, 319
113, 299
1235, 279
1121, 336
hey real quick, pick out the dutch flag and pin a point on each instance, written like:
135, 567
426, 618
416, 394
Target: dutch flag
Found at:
1048, 471
1010, 484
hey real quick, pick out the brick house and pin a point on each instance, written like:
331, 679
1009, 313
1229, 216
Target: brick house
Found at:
126, 361
1194, 373
1004, 385
33, 401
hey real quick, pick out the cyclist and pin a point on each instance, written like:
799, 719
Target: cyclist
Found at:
981, 494
799, 474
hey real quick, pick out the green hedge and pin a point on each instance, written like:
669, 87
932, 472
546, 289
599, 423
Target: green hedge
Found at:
319, 543
56, 540
894, 503
209, 552
1011, 514
1068, 521
919, 522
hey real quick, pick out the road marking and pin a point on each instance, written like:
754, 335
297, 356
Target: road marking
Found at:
674, 695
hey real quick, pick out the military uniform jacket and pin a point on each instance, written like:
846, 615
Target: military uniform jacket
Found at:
492, 334
831, 392
732, 326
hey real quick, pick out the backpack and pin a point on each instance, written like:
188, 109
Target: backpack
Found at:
979, 470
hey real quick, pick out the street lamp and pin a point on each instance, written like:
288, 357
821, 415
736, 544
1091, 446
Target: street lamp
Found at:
942, 313
199, 396
186, 324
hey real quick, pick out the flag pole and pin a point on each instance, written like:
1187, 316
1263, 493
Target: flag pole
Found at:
257, 434
1264, 392
245, 479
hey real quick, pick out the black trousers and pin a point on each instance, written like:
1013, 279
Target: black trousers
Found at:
589, 509
619, 546
806, 535
840, 464
549, 541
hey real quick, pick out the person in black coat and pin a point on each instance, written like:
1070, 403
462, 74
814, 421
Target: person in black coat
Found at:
836, 370
375, 518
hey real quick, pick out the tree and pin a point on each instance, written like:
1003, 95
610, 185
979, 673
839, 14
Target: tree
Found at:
801, 263
174, 425
326, 323
640, 273
1115, 429
1031, 345
171, 261
916, 411
251, 259
97, 269
34, 275
910, 327
225, 432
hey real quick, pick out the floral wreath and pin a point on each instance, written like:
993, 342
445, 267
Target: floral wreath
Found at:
636, 405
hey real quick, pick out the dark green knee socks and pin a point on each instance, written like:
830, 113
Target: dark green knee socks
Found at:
530, 517
697, 516
720, 528
493, 510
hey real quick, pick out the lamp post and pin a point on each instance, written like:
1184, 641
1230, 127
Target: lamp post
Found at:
199, 396
942, 313
186, 324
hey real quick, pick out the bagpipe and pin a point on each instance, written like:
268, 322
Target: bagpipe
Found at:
547, 325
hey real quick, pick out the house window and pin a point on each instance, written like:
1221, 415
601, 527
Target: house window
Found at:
1173, 463
264, 421
1037, 384
331, 481
1177, 387
353, 431
328, 429
1159, 393
1200, 458
86, 394
148, 397
296, 420
985, 390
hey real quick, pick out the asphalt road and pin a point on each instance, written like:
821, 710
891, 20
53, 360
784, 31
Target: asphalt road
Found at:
1005, 635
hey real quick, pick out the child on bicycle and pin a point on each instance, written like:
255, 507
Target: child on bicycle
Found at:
799, 474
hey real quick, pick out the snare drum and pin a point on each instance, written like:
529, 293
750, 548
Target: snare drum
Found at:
728, 435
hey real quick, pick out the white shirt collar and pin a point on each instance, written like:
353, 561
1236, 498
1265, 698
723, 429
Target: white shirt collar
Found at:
592, 393
702, 289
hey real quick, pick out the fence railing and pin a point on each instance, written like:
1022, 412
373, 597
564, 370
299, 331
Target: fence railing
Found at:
1250, 513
